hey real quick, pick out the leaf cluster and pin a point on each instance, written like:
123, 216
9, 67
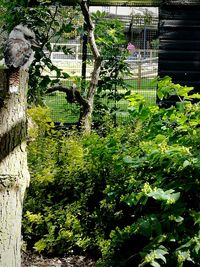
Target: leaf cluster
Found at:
51, 24
131, 197
112, 43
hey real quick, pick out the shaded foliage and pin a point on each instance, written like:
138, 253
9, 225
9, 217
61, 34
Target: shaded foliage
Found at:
51, 24
130, 198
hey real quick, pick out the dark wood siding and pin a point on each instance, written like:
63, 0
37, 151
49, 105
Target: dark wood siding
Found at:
179, 56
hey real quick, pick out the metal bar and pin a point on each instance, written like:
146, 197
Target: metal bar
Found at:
154, 3
84, 54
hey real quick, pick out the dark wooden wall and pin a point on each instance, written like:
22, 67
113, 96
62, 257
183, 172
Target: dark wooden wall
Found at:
179, 56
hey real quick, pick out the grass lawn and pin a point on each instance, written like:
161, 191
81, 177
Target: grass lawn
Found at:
61, 111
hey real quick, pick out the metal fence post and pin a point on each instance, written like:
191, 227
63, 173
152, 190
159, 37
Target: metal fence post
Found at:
139, 74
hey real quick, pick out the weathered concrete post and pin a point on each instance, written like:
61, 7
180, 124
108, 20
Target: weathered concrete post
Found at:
14, 175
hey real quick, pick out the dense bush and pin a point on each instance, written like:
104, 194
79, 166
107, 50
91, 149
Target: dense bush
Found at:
131, 197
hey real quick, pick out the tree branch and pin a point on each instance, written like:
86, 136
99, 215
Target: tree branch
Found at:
90, 28
95, 51
72, 95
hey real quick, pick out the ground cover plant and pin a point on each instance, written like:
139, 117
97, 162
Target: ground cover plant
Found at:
129, 197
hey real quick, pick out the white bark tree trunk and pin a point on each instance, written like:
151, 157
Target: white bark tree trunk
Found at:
14, 175
86, 117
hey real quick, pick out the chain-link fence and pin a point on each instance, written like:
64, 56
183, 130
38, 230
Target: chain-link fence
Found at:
143, 71
143, 63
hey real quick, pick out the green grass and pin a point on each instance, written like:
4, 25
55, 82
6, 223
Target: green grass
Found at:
61, 111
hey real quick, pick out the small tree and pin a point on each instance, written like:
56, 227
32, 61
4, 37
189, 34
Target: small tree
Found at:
73, 94
108, 46
112, 44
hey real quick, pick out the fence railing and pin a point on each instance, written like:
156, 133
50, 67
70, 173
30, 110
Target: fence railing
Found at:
76, 50
75, 54
143, 63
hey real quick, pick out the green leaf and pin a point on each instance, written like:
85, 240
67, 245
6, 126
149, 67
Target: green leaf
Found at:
160, 95
195, 96
128, 159
180, 106
65, 75
40, 245
155, 264
169, 196
196, 216
160, 256
186, 163
178, 219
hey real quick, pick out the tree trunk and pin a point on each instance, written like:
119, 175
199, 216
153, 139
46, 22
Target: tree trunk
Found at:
86, 115
14, 175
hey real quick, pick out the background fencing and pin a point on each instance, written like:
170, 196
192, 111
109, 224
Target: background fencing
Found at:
143, 66
143, 71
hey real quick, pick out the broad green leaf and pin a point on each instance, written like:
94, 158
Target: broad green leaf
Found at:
186, 163
160, 256
155, 264
196, 96
169, 196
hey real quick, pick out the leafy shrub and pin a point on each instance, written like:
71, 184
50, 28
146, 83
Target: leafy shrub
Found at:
66, 205
112, 86
163, 228
131, 197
